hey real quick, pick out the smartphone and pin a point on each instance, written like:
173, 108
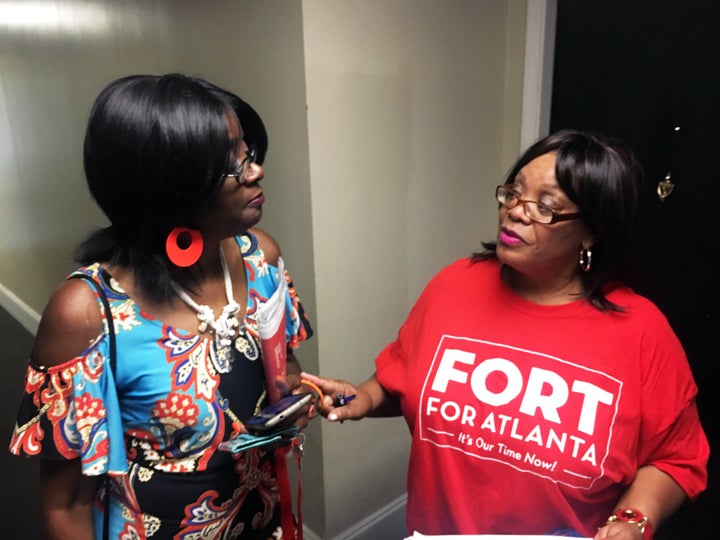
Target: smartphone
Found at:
278, 414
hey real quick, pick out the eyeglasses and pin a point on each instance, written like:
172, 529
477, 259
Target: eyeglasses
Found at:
536, 211
240, 172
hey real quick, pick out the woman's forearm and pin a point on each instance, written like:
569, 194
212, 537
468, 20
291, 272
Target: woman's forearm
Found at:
383, 404
67, 499
654, 493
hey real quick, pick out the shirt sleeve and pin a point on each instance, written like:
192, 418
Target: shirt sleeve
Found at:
681, 451
297, 325
394, 364
671, 437
70, 411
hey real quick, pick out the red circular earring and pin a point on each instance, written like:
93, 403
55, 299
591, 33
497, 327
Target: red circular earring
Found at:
184, 246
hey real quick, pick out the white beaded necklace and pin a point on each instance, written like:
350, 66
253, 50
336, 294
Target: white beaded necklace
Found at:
225, 325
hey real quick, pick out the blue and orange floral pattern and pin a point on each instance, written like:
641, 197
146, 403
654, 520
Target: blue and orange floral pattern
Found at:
155, 423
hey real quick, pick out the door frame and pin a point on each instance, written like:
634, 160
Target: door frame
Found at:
541, 17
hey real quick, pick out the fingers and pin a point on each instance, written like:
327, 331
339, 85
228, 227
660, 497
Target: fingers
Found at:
293, 384
331, 387
339, 408
601, 534
621, 531
352, 411
324, 388
311, 386
328, 386
337, 397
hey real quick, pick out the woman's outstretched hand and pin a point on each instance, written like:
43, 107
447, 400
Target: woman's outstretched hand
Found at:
618, 531
341, 400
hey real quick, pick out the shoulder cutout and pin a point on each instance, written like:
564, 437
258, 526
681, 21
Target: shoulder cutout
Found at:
70, 323
267, 243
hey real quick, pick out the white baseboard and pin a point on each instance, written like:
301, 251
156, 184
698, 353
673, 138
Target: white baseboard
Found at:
20, 311
309, 534
387, 523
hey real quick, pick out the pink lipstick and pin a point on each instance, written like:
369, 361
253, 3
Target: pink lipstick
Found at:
509, 238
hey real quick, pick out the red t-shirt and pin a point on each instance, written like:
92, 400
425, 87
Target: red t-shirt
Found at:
526, 418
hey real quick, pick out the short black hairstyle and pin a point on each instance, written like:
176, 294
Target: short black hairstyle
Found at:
156, 147
602, 176
251, 122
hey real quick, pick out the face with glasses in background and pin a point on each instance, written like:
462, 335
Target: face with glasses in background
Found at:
239, 203
242, 167
535, 210
540, 230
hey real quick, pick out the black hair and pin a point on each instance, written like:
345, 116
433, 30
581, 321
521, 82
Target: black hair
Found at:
155, 150
601, 176
252, 124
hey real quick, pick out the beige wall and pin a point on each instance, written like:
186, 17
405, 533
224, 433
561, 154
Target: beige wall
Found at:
412, 105
390, 121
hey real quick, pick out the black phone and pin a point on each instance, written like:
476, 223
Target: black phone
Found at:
278, 414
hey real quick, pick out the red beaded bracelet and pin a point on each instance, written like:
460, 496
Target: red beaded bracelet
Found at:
630, 515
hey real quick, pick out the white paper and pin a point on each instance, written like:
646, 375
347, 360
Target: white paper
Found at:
272, 313
417, 536
271, 329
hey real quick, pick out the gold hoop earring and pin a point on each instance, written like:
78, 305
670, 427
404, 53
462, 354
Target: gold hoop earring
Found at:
585, 259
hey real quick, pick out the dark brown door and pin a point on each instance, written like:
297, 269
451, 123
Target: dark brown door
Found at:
648, 72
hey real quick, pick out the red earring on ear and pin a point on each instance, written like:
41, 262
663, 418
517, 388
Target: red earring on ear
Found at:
184, 246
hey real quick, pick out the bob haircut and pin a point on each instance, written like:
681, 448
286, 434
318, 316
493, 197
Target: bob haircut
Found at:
156, 147
250, 121
602, 177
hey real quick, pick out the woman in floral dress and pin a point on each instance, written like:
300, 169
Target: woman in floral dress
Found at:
175, 164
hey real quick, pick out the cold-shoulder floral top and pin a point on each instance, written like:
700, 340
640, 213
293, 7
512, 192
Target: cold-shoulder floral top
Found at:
154, 422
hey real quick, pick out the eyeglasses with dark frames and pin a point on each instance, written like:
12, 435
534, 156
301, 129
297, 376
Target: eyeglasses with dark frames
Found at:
536, 211
240, 172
